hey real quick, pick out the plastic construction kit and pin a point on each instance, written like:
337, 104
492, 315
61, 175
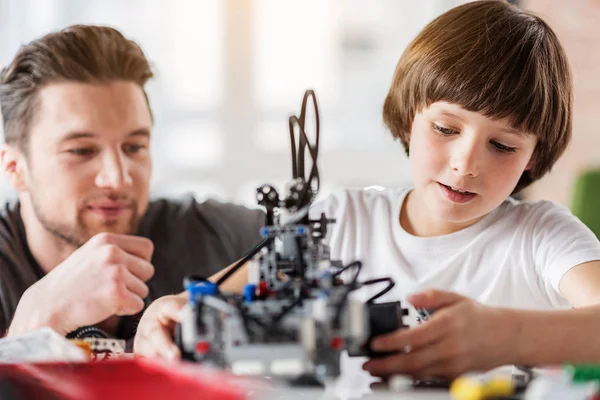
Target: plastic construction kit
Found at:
296, 315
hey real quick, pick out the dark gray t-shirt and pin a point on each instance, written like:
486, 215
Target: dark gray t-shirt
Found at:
189, 238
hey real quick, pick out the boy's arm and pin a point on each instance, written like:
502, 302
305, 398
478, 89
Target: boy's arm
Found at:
581, 284
568, 335
464, 335
555, 337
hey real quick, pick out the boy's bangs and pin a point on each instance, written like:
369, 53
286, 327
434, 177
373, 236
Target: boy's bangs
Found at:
499, 86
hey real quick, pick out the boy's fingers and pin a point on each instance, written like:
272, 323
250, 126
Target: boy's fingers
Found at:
412, 338
434, 299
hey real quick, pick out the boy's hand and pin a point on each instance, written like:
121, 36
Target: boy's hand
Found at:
154, 336
462, 335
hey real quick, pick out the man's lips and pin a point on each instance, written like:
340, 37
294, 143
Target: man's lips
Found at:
111, 209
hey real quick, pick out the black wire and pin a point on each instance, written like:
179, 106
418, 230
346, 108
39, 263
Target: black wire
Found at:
303, 142
314, 171
389, 287
243, 260
285, 311
293, 142
351, 287
279, 317
247, 318
352, 264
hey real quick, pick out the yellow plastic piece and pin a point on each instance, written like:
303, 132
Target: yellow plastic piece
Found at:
83, 345
470, 388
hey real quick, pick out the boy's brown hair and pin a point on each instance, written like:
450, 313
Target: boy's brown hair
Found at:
79, 53
489, 57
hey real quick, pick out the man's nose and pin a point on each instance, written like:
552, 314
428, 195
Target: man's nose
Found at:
114, 172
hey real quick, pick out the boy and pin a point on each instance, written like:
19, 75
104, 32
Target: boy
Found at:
482, 102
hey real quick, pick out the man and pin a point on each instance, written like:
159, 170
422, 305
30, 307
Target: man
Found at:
83, 245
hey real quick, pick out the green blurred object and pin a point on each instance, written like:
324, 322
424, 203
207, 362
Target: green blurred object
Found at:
586, 200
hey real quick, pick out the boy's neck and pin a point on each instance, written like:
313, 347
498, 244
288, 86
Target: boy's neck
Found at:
417, 223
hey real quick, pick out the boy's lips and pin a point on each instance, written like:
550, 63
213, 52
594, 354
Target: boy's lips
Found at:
456, 195
458, 188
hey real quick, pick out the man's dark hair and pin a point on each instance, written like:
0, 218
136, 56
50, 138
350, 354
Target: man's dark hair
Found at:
79, 53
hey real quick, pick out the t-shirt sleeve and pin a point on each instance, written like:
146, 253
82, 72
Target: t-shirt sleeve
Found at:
341, 234
241, 225
327, 205
561, 242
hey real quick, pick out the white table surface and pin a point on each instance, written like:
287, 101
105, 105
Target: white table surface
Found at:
320, 394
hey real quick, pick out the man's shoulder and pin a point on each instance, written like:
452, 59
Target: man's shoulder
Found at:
10, 221
18, 270
186, 210
192, 236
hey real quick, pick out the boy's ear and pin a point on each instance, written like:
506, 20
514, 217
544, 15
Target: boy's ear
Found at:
14, 166
529, 164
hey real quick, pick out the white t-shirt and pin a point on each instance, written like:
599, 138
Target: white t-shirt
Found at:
513, 257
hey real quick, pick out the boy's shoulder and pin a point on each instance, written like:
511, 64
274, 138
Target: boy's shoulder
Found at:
374, 200
538, 219
360, 202
367, 195
537, 209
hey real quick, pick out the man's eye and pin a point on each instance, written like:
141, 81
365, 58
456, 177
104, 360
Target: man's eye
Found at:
444, 131
134, 148
84, 151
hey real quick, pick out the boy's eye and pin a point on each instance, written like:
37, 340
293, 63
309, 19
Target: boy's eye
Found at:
83, 151
503, 148
444, 131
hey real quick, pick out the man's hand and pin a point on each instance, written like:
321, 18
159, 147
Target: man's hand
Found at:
104, 277
154, 337
462, 335
155, 332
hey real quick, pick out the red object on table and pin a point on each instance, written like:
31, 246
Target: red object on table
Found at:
117, 379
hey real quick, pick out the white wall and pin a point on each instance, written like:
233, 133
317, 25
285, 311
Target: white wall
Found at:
229, 73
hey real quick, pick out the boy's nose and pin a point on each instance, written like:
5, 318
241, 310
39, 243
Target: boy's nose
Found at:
465, 161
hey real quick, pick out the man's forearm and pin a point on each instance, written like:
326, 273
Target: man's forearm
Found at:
30, 316
554, 337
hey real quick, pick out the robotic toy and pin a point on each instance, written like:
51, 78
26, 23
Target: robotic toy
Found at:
295, 315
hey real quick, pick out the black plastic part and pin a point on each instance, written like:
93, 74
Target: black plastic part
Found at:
88, 332
306, 381
383, 318
185, 355
432, 383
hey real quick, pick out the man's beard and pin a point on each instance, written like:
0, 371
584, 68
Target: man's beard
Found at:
79, 234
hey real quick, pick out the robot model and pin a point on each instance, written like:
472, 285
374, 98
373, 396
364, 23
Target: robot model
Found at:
295, 315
